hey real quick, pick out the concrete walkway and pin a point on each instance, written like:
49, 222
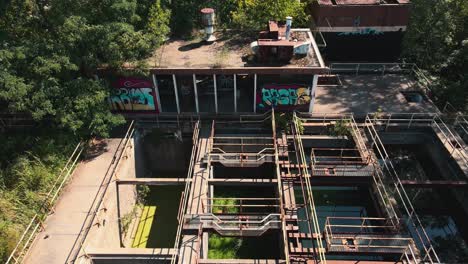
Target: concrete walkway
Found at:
199, 189
53, 245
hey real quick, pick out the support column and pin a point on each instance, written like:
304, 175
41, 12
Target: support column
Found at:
255, 94
312, 93
215, 93
156, 89
235, 93
196, 92
175, 92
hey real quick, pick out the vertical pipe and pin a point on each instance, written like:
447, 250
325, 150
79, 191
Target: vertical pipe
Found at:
215, 93
119, 221
175, 92
235, 93
196, 91
312, 93
156, 89
255, 94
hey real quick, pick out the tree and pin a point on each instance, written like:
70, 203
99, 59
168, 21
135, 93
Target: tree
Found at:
52, 49
254, 14
437, 41
158, 21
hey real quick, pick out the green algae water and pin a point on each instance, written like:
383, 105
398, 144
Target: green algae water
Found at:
266, 246
164, 226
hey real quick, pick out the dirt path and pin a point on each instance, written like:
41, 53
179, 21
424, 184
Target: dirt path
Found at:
53, 245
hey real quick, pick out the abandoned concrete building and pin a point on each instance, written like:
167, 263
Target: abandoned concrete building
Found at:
250, 149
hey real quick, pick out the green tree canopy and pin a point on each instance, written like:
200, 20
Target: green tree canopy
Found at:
437, 40
254, 14
51, 50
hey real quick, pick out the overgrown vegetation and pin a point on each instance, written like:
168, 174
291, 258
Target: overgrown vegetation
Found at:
437, 41
284, 121
223, 247
236, 14
225, 206
49, 53
29, 165
341, 128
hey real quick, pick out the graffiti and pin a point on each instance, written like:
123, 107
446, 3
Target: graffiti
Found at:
283, 97
132, 95
364, 31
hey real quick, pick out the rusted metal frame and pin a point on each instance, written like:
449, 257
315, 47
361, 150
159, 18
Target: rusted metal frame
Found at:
424, 238
311, 203
239, 70
184, 199
280, 189
450, 138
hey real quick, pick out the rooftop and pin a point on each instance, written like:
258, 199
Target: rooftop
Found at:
232, 49
362, 2
367, 93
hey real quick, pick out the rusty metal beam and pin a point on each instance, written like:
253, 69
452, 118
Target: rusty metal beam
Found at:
153, 181
434, 184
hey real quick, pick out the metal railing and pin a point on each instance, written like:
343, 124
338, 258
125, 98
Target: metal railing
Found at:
364, 234
241, 150
94, 210
24, 243
336, 156
280, 187
185, 194
461, 125
238, 225
383, 68
308, 197
218, 205
413, 219
454, 144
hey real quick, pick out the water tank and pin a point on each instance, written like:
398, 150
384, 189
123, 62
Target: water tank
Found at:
208, 20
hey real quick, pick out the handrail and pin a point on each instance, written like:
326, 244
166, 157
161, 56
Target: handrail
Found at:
430, 119
98, 199
450, 139
184, 199
280, 186
406, 201
44, 209
382, 68
214, 217
361, 232
310, 198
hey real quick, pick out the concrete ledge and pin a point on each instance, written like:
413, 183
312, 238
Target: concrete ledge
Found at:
242, 181
129, 252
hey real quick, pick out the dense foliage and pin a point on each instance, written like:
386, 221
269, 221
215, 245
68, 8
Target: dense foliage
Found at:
49, 53
437, 41
253, 14
237, 14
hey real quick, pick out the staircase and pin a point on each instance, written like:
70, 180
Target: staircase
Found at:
233, 225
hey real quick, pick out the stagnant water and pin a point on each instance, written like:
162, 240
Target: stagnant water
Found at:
332, 201
164, 226
266, 246
440, 212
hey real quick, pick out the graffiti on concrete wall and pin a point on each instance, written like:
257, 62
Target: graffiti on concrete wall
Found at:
131, 94
363, 31
286, 97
